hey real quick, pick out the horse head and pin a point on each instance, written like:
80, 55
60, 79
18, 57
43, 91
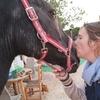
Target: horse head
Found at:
19, 37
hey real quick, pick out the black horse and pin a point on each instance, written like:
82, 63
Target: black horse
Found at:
18, 37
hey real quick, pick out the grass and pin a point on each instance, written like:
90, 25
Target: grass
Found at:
82, 61
46, 68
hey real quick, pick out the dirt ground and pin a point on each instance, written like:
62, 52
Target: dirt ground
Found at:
55, 87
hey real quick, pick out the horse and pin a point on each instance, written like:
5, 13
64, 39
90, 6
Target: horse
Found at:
19, 37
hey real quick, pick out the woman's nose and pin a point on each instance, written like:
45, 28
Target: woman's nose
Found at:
75, 43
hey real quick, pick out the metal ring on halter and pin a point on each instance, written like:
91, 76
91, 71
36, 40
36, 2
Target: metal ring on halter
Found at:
39, 37
44, 50
31, 13
68, 53
43, 44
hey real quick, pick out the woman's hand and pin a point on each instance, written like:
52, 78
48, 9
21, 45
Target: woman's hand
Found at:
60, 73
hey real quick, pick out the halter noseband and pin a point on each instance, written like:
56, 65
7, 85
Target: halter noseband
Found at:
45, 38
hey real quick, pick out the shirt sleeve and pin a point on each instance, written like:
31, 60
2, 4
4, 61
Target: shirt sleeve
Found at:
73, 91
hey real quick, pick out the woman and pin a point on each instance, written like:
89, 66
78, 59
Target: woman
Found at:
88, 47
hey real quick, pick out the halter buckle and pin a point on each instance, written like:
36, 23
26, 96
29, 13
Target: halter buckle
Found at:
31, 13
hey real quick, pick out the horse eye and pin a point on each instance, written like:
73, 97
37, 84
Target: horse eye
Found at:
52, 13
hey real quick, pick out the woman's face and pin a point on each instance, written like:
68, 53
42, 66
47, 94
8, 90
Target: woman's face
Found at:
82, 44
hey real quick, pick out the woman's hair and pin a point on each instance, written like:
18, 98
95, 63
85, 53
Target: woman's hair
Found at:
93, 31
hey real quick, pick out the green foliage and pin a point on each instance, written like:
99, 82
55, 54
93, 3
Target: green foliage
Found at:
67, 14
73, 32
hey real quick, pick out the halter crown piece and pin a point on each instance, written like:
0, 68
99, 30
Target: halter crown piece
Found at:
44, 37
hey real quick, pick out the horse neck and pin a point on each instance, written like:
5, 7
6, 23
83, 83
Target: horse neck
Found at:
6, 58
5, 64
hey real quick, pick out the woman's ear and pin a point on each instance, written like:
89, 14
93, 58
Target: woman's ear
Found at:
93, 45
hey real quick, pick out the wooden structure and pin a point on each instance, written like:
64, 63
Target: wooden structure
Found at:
18, 83
27, 86
36, 86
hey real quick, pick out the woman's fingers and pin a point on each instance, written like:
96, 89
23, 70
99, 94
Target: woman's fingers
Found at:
61, 73
63, 76
57, 68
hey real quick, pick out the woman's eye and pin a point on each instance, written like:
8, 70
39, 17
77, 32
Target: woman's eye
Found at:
79, 37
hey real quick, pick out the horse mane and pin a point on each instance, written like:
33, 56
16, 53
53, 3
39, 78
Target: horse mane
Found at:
41, 4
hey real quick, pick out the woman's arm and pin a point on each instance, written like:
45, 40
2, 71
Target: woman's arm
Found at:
73, 91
